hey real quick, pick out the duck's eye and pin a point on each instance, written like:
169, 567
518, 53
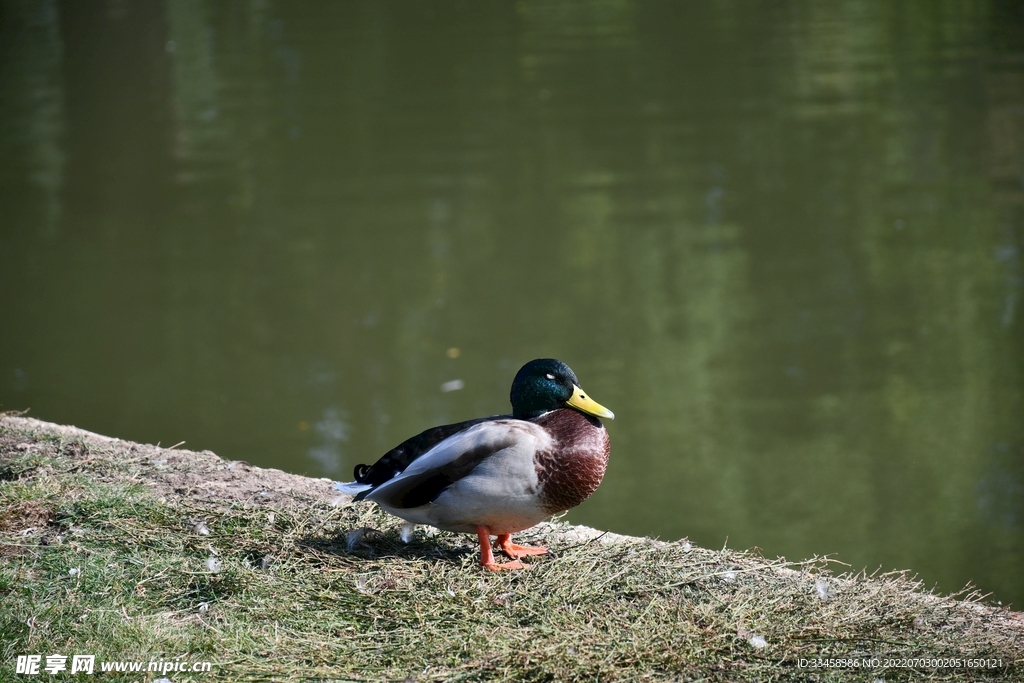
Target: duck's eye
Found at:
549, 376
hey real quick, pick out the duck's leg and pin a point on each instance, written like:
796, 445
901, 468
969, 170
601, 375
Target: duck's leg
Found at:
487, 555
517, 551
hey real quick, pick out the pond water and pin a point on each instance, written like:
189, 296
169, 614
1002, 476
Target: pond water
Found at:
782, 241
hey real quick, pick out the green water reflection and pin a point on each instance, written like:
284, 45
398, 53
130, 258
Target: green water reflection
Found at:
781, 241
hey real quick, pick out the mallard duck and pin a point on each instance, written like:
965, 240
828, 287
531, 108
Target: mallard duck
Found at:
495, 476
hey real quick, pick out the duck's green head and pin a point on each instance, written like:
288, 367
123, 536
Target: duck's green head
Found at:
546, 384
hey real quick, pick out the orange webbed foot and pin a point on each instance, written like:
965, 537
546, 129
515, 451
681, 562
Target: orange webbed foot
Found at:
487, 555
497, 567
516, 551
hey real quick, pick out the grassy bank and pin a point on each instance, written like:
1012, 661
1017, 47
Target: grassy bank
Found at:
138, 553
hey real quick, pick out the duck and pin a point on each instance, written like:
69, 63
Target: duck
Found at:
498, 475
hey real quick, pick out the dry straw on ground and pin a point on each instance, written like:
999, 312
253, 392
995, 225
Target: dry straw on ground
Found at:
135, 552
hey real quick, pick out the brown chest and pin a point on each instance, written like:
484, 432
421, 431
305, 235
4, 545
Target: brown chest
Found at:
572, 468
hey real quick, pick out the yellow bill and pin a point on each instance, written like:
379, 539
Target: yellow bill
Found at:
584, 403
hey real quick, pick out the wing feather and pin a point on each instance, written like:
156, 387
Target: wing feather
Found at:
451, 460
395, 461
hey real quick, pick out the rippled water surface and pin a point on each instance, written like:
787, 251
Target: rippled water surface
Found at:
782, 241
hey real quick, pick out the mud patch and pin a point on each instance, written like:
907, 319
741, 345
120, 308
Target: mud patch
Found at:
25, 517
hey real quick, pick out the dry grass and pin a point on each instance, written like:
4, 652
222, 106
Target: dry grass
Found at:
306, 590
